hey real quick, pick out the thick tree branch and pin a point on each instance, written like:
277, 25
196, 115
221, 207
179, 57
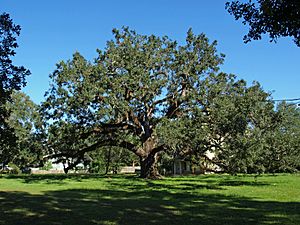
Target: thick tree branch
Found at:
80, 153
159, 149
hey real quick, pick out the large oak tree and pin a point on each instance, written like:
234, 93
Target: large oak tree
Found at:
133, 86
148, 94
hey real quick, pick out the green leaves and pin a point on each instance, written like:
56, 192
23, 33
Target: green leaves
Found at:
148, 94
135, 84
136, 78
282, 143
12, 78
278, 18
27, 125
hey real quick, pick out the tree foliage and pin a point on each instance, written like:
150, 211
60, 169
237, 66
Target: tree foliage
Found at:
282, 144
11, 78
110, 159
229, 121
148, 95
278, 18
134, 84
27, 124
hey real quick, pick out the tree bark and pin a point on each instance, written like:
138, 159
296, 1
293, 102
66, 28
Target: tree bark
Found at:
108, 159
66, 169
149, 167
148, 155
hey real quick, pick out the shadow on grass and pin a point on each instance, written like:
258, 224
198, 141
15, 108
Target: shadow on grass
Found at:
53, 178
184, 186
192, 182
241, 183
220, 183
141, 206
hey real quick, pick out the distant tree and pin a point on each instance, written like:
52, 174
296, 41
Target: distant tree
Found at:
282, 144
27, 124
11, 78
249, 115
229, 121
111, 159
134, 85
278, 18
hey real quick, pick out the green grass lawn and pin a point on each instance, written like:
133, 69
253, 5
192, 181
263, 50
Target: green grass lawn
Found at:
206, 199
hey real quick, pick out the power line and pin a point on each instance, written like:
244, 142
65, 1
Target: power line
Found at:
286, 100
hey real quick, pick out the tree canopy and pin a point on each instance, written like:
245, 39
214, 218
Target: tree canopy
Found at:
27, 124
147, 94
11, 78
278, 18
121, 98
229, 121
282, 144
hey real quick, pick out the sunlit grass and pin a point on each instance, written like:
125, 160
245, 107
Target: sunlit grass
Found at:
205, 199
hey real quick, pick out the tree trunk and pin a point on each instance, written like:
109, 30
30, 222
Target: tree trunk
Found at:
66, 170
148, 158
108, 159
149, 167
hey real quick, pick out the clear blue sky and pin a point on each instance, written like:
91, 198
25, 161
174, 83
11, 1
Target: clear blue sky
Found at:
53, 30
